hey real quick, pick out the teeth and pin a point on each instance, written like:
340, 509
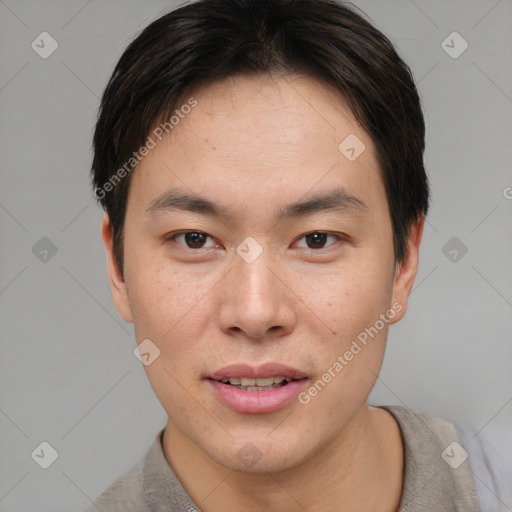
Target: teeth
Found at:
265, 382
236, 381
260, 388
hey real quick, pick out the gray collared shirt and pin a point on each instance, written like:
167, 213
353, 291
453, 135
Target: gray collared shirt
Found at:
437, 474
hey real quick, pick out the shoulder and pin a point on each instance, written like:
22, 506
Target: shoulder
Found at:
437, 472
148, 486
429, 426
428, 438
126, 494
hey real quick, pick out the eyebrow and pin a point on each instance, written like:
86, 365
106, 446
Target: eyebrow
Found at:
335, 200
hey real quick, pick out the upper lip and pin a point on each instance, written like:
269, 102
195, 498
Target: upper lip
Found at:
270, 369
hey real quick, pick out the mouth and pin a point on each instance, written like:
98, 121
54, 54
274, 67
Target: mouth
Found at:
260, 389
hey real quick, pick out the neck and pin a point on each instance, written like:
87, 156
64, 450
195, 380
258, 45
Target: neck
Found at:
360, 470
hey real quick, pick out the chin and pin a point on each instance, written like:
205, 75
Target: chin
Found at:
260, 455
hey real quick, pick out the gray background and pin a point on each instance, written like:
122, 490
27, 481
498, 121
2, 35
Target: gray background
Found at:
68, 375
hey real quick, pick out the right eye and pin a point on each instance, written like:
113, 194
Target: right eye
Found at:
191, 239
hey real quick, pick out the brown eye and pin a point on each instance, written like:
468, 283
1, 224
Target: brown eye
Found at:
192, 239
317, 240
195, 240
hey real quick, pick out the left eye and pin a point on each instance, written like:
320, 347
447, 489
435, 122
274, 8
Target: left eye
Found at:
193, 239
317, 239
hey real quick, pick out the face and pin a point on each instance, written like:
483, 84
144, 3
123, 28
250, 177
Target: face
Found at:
257, 247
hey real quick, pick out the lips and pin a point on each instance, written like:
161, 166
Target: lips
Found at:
257, 389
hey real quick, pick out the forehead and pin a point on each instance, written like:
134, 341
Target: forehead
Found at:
298, 110
262, 138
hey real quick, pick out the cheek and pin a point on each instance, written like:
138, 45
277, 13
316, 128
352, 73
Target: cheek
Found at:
172, 309
349, 302
167, 303
347, 299
350, 360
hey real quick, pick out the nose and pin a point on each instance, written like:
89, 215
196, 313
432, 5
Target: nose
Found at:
256, 300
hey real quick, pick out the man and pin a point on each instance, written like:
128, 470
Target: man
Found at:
261, 168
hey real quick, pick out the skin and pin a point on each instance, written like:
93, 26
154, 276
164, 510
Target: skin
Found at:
253, 145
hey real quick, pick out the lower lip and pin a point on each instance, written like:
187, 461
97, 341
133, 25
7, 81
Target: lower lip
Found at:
257, 402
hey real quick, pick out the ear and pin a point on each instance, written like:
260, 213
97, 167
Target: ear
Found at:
406, 270
117, 283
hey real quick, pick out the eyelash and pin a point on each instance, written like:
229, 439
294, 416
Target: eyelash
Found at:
172, 238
